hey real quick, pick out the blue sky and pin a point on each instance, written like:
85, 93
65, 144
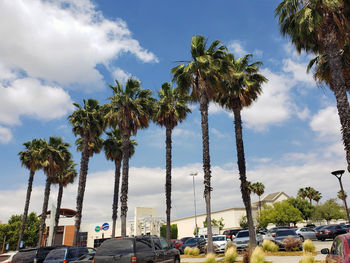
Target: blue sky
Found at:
54, 53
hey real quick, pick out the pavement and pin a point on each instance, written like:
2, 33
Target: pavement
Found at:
277, 259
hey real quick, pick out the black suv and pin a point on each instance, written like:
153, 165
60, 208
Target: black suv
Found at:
231, 233
66, 254
139, 249
32, 255
330, 231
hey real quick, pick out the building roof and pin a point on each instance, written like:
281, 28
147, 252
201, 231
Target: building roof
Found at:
270, 198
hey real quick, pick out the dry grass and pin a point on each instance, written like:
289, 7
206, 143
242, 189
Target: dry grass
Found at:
309, 246
291, 243
210, 258
231, 255
270, 246
307, 259
258, 255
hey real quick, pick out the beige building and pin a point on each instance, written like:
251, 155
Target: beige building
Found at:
231, 216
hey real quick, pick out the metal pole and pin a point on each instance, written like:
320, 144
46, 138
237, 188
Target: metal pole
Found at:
345, 204
195, 206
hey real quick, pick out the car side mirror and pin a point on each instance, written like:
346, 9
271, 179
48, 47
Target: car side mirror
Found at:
325, 251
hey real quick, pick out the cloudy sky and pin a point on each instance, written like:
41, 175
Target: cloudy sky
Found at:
56, 52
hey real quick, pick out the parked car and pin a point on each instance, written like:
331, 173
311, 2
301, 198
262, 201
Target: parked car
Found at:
194, 242
65, 254
242, 239
87, 258
31, 255
179, 242
139, 249
220, 243
340, 250
306, 233
231, 233
282, 234
329, 232
271, 233
346, 227
7, 257
319, 227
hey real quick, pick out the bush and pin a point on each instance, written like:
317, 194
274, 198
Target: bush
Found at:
229, 244
291, 244
269, 245
309, 246
210, 258
194, 251
307, 259
231, 254
258, 256
187, 250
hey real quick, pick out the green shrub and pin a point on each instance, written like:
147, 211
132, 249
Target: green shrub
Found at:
258, 255
291, 243
231, 254
194, 251
309, 246
269, 245
187, 250
307, 259
210, 258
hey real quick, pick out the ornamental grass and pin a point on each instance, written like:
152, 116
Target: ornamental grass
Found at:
210, 258
269, 246
258, 256
308, 246
231, 254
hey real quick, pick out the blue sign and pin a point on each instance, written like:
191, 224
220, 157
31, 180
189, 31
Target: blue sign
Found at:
7, 246
105, 226
21, 245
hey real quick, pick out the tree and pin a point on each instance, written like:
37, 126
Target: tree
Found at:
113, 151
342, 196
200, 77
303, 206
328, 211
310, 193
54, 155
280, 213
131, 109
302, 193
173, 231
30, 158
215, 222
322, 27
170, 109
243, 223
241, 88
87, 122
258, 189
317, 197
63, 178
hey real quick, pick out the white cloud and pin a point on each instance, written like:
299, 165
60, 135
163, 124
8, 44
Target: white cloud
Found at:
326, 123
183, 133
219, 134
63, 41
236, 47
215, 108
121, 75
5, 135
28, 97
298, 71
304, 114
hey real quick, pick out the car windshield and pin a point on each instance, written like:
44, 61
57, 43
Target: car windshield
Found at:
56, 254
282, 233
242, 234
114, 246
191, 240
218, 238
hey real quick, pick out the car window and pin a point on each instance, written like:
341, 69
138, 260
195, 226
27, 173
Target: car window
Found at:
56, 254
242, 234
82, 251
72, 252
219, 238
337, 247
115, 246
143, 244
164, 243
157, 244
286, 232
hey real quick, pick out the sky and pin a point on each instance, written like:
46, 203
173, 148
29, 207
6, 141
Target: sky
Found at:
56, 52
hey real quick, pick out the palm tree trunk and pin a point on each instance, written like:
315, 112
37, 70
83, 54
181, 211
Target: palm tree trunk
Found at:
338, 85
203, 101
168, 181
84, 166
243, 177
116, 195
259, 204
57, 216
44, 210
26, 207
125, 181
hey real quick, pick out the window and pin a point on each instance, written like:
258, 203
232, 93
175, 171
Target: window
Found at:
115, 246
143, 244
82, 251
157, 244
164, 243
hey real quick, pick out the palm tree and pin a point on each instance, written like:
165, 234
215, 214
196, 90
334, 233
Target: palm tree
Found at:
342, 196
63, 178
302, 193
201, 77
88, 123
131, 109
242, 87
53, 154
29, 158
258, 189
322, 27
170, 109
317, 197
310, 193
113, 151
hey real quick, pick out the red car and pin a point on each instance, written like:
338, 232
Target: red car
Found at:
340, 250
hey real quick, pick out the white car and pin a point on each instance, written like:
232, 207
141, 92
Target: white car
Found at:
7, 257
220, 243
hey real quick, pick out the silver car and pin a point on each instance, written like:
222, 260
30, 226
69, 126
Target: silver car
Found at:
306, 233
242, 239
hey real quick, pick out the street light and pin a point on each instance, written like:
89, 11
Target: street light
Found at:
194, 199
339, 174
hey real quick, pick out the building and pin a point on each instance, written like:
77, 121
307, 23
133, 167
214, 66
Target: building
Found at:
231, 216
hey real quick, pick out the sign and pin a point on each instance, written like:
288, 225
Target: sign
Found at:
7, 246
105, 226
21, 244
97, 229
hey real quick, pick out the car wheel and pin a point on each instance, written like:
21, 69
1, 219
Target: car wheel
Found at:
176, 260
301, 238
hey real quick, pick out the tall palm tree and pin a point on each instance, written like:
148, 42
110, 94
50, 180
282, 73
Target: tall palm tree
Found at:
322, 27
29, 158
302, 193
201, 77
54, 154
310, 193
258, 189
242, 87
317, 197
131, 109
113, 151
63, 178
88, 123
170, 109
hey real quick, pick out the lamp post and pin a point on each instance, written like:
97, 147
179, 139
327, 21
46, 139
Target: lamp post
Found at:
339, 174
194, 199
